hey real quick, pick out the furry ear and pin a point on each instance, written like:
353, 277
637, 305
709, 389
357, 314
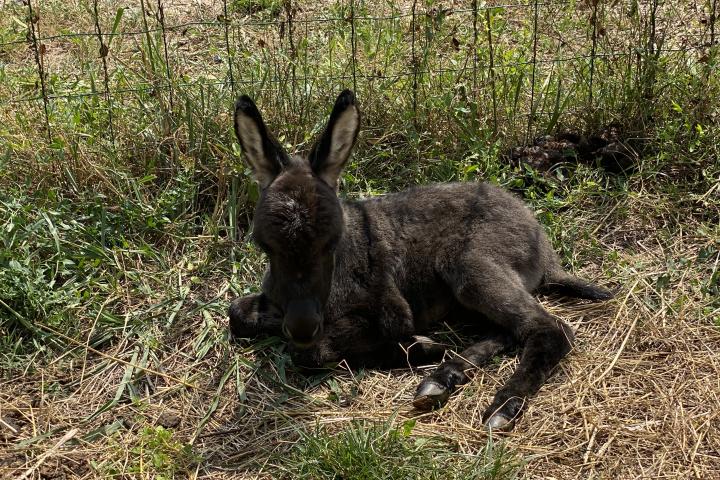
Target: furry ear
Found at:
331, 151
263, 153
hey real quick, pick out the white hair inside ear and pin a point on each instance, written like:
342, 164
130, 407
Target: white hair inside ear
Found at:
342, 139
264, 165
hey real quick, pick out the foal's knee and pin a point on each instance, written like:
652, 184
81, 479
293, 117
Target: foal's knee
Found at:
243, 313
253, 315
556, 338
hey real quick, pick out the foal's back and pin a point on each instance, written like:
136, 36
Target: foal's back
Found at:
427, 228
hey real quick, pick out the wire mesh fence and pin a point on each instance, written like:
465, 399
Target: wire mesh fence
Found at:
508, 70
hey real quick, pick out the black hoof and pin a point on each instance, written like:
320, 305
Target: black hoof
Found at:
503, 413
499, 422
430, 395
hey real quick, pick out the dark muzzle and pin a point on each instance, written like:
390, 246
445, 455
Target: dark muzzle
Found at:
303, 322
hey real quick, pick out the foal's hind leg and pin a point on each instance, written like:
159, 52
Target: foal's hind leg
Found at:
498, 294
545, 344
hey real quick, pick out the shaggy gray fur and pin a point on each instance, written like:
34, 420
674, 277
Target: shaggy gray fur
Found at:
360, 280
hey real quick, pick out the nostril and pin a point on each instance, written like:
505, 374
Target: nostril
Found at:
286, 331
304, 334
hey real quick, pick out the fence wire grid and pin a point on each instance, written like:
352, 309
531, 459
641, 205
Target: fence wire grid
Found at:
515, 69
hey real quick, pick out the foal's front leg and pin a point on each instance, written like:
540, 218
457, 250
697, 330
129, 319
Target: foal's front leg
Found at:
352, 338
254, 315
360, 343
436, 388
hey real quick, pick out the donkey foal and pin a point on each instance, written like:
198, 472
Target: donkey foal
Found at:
360, 280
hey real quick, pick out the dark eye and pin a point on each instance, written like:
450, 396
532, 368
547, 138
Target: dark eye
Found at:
332, 243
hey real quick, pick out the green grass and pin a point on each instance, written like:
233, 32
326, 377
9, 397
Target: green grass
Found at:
372, 450
154, 453
269, 7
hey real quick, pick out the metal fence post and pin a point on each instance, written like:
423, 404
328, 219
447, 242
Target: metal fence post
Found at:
353, 44
414, 64
38, 51
474, 47
104, 50
226, 24
488, 21
593, 22
161, 20
713, 19
532, 77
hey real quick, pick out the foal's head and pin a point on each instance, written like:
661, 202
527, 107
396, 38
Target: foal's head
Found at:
298, 219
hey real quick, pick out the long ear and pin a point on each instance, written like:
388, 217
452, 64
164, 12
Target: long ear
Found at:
264, 154
330, 153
